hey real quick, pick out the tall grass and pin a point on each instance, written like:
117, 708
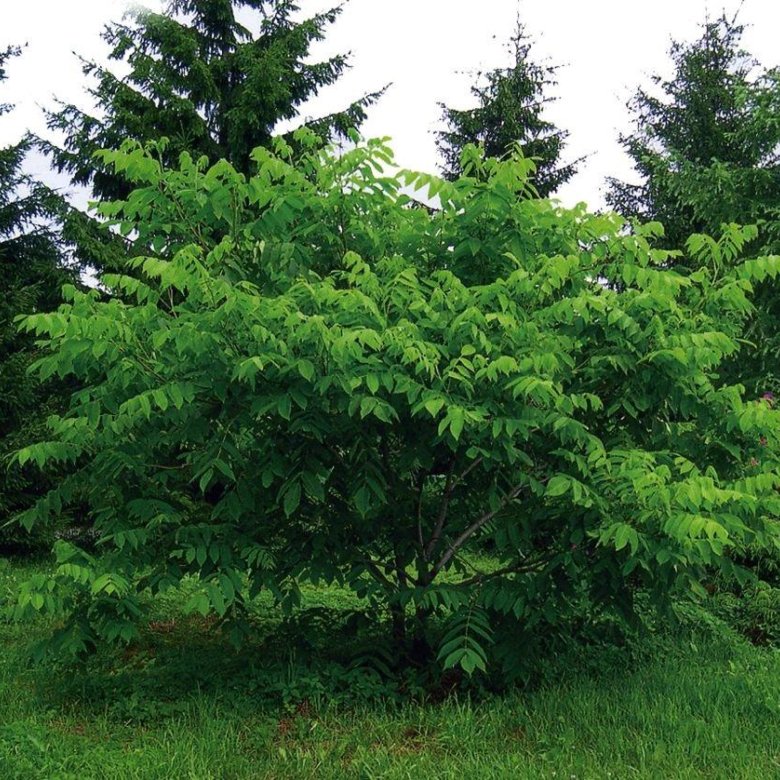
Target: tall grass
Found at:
182, 706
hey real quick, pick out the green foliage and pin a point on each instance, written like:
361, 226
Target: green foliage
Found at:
701, 704
463, 643
706, 148
510, 104
32, 270
213, 76
764, 563
706, 145
705, 142
309, 379
753, 611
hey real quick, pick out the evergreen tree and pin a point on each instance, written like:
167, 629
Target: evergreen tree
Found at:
510, 105
706, 143
215, 77
32, 275
707, 149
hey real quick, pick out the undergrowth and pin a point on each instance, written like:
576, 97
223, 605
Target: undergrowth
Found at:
688, 698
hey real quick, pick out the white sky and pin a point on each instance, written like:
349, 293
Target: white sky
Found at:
423, 47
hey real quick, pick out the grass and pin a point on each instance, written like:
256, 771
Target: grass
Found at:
181, 705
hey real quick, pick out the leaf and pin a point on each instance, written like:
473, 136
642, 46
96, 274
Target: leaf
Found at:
292, 498
557, 486
224, 468
306, 369
161, 399
457, 419
284, 406
205, 479
434, 406
362, 500
145, 404
176, 395
626, 535
372, 382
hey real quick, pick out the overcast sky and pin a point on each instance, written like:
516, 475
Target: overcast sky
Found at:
426, 48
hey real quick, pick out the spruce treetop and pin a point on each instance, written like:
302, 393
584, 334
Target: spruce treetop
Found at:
509, 113
215, 77
716, 118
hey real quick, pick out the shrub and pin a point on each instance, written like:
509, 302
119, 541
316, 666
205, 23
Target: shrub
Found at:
753, 612
763, 562
311, 377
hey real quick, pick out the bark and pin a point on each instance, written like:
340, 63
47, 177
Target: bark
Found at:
398, 625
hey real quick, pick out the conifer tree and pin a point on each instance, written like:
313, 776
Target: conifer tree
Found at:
706, 142
32, 272
216, 77
509, 111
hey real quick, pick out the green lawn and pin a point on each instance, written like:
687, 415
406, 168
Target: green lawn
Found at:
181, 704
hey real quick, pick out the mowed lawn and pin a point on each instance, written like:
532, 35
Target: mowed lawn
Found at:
182, 704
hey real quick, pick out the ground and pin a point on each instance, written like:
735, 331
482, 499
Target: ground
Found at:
182, 704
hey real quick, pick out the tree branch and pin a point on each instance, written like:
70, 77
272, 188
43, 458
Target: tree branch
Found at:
449, 489
441, 519
400, 572
474, 463
376, 573
513, 569
473, 528
419, 514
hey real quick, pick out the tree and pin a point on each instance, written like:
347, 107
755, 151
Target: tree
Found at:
32, 269
362, 391
708, 152
510, 104
706, 145
210, 82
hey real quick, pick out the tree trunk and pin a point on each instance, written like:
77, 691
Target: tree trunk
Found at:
421, 652
398, 622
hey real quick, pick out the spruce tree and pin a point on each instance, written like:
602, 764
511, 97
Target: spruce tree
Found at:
509, 111
706, 145
705, 142
32, 272
216, 77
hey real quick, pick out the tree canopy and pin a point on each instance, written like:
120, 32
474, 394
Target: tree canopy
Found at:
510, 112
216, 77
304, 379
33, 271
706, 144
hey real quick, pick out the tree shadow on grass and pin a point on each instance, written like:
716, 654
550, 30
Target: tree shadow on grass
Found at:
316, 659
